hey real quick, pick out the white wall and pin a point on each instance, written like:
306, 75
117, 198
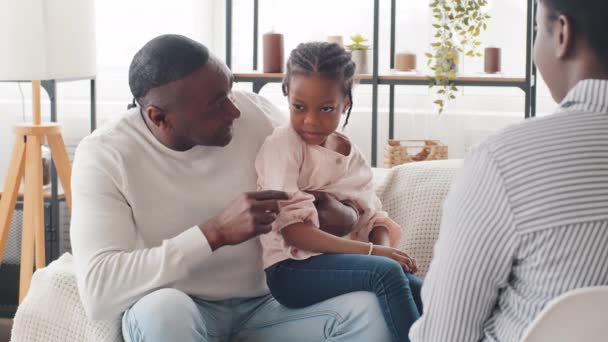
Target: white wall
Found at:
124, 26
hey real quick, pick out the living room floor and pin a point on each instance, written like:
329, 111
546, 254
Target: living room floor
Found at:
5, 329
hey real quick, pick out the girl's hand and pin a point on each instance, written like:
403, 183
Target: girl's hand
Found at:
408, 263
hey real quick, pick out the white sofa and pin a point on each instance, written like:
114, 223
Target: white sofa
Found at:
412, 194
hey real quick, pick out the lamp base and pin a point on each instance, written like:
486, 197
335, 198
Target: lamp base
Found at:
27, 160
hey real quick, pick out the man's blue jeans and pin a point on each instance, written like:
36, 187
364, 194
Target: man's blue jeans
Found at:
171, 315
300, 283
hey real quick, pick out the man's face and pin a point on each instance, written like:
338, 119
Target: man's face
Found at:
204, 109
547, 53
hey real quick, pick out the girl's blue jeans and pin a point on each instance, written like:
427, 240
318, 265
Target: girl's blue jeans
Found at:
300, 283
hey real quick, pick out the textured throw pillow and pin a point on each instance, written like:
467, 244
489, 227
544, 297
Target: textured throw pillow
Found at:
413, 196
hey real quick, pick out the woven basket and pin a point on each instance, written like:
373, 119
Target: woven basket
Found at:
396, 151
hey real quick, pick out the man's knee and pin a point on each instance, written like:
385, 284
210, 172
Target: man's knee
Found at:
365, 305
165, 313
362, 317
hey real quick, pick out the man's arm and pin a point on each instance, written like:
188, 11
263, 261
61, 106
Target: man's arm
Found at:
335, 217
473, 256
111, 273
248, 216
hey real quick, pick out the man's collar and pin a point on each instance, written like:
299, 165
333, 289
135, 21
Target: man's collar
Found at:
589, 96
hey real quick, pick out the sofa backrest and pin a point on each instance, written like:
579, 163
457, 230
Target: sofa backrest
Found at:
413, 196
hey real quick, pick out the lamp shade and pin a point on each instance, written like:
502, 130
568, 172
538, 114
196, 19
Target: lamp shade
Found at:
47, 39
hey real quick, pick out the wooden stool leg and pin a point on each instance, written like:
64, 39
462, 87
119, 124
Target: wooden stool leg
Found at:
33, 223
39, 217
11, 190
62, 164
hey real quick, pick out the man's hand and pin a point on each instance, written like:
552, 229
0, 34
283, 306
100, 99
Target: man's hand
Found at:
249, 215
335, 217
407, 262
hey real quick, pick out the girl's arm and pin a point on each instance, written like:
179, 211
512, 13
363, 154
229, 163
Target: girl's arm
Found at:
380, 236
310, 238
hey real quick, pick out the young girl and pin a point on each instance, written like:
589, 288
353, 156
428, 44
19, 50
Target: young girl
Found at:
304, 265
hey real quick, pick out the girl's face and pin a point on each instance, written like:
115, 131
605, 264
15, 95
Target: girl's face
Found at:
316, 104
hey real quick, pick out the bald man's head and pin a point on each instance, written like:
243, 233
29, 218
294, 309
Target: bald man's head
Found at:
162, 60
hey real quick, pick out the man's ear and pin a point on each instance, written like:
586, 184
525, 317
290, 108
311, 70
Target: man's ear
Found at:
564, 37
157, 116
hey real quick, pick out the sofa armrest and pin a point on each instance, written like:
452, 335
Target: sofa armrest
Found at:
52, 310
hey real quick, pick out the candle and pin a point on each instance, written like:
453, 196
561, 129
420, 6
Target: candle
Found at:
405, 61
491, 60
336, 39
273, 52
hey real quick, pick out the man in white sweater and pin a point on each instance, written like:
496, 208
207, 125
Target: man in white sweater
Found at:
165, 223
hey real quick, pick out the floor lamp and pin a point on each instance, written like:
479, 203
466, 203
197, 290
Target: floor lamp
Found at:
41, 40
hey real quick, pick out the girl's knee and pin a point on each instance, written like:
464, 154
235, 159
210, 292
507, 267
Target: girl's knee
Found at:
390, 267
414, 281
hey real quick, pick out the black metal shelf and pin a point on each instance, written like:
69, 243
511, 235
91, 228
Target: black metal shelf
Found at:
527, 84
51, 88
261, 79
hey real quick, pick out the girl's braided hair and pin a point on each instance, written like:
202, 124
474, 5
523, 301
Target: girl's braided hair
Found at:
329, 60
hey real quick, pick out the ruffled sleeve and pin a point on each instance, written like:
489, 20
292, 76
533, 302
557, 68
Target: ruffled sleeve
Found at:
278, 167
369, 205
373, 217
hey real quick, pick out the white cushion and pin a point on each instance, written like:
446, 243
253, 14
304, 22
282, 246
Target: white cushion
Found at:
52, 310
413, 196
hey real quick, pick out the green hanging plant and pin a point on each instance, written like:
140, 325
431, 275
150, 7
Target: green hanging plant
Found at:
458, 24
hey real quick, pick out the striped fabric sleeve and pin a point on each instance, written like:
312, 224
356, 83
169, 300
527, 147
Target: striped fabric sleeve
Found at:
473, 255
